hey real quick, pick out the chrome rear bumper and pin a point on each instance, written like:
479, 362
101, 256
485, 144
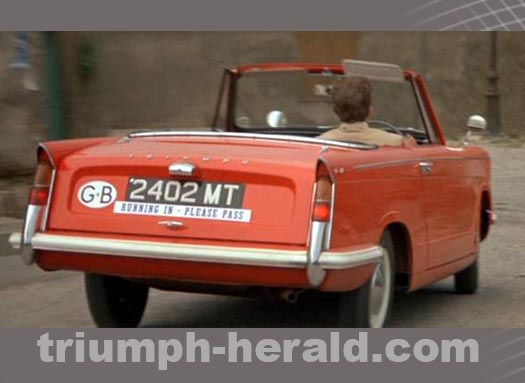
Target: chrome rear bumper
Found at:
327, 260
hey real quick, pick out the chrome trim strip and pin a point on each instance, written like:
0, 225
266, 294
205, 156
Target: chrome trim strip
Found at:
383, 164
170, 251
332, 260
340, 261
442, 158
41, 145
329, 168
315, 273
329, 227
253, 136
316, 244
309, 238
43, 223
452, 158
30, 224
430, 129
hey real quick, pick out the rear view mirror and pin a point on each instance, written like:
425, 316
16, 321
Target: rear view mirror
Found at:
276, 119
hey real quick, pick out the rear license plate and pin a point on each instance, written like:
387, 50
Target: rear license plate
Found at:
189, 199
191, 193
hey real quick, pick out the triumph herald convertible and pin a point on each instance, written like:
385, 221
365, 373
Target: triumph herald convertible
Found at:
260, 205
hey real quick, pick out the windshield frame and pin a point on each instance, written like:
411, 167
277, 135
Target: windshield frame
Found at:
428, 116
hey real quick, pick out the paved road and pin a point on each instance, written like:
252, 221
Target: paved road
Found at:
32, 298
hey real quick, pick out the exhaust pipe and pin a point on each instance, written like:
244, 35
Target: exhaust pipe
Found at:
289, 296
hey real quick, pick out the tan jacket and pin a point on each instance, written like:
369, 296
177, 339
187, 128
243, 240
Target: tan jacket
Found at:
361, 132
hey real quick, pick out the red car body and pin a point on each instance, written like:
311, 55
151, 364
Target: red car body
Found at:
434, 199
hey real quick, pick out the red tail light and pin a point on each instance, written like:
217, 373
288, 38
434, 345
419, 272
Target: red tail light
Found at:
38, 195
321, 211
40, 191
323, 196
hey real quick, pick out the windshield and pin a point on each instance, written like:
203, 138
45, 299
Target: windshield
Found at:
298, 99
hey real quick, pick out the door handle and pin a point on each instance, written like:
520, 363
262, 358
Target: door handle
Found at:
426, 167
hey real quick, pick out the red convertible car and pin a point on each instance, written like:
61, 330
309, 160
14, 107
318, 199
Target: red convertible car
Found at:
260, 205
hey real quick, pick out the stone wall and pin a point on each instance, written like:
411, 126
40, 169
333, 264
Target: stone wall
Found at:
455, 66
22, 118
158, 80
166, 80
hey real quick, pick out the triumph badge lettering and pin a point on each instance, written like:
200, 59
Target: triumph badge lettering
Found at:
97, 194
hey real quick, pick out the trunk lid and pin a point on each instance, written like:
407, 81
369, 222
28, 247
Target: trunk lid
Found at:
238, 191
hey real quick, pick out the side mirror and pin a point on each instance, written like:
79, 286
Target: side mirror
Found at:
276, 119
475, 124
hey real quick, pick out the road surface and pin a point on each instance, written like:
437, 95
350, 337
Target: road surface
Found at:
32, 298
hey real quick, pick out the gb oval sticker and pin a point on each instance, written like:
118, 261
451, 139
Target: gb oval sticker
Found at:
97, 194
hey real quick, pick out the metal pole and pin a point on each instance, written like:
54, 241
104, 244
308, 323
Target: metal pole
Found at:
493, 104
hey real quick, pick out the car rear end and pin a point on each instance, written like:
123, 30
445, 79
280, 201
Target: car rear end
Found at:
210, 210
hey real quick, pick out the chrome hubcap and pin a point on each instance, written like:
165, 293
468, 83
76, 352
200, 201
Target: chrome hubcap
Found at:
380, 288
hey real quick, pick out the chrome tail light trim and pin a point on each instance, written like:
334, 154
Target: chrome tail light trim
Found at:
30, 225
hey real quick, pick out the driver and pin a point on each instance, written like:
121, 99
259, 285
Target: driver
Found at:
351, 102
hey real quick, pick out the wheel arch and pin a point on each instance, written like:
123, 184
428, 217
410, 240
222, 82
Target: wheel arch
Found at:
403, 253
485, 211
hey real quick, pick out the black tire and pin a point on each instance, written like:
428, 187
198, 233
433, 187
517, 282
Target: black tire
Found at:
354, 306
467, 280
115, 302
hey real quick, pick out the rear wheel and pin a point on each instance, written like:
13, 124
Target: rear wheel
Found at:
370, 305
467, 280
115, 302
